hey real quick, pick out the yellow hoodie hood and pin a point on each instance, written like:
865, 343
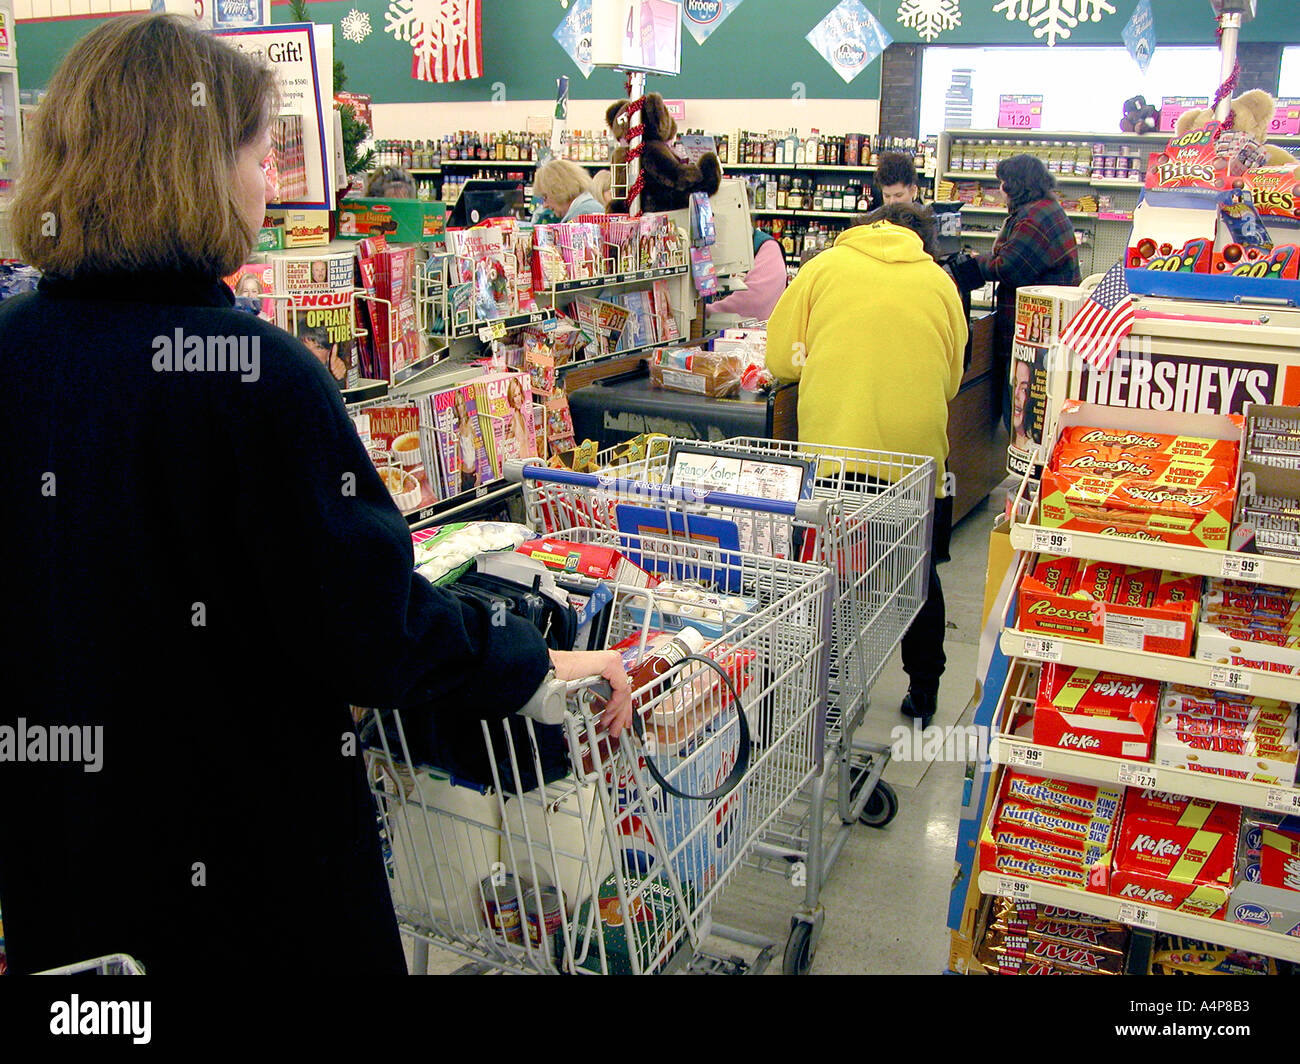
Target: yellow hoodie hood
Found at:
874, 332
883, 241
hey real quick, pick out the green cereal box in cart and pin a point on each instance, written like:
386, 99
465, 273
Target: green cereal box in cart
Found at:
656, 920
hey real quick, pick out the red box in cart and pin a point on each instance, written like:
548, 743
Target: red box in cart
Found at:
1095, 712
587, 559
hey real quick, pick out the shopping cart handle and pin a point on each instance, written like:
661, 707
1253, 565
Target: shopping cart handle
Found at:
547, 704
518, 470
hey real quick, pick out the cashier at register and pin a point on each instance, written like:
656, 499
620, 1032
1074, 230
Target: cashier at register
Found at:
764, 283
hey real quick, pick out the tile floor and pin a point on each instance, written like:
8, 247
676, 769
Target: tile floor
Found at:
886, 899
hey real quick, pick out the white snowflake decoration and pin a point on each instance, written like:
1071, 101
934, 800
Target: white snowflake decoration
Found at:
1054, 18
930, 17
356, 26
433, 27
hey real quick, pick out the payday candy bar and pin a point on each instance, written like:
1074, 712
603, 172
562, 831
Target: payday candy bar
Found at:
1228, 714
1265, 732
1078, 958
1112, 939
1249, 746
1062, 849
1097, 803
1285, 640
1225, 705
1026, 866
1263, 622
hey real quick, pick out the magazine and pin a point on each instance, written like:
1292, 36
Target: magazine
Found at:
461, 451
395, 448
559, 423
640, 329
319, 309
253, 284
505, 410
665, 320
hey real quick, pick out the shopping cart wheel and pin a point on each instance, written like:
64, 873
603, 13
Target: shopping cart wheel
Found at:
798, 949
881, 807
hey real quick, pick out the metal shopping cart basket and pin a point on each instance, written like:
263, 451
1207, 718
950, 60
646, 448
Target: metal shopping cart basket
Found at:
568, 853
114, 964
869, 521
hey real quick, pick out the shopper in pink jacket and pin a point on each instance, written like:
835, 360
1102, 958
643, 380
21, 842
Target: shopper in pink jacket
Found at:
764, 283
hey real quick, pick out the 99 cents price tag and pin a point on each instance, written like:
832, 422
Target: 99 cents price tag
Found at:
495, 331
1283, 800
1241, 567
1025, 756
1138, 776
1042, 649
1137, 916
1016, 889
1223, 678
1046, 542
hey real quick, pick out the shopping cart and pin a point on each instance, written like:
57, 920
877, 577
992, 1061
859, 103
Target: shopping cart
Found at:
869, 522
114, 964
564, 852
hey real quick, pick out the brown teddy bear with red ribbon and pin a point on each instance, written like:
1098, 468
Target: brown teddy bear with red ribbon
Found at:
667, 179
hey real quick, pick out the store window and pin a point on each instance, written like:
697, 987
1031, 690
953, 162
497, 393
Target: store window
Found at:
1083, 89
1288, 82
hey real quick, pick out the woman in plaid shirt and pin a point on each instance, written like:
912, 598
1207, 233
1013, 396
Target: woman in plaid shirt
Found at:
1036, 246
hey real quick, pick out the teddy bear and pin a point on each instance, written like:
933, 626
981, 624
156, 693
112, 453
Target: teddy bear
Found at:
1139, 116
1251, 113
669, 178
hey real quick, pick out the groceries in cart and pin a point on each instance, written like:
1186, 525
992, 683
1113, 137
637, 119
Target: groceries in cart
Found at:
442, 554
683, 602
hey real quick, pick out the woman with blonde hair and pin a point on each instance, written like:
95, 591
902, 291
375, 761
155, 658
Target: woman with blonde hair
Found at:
249, 576
566, 189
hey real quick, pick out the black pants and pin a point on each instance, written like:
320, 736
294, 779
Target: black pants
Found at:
923, 656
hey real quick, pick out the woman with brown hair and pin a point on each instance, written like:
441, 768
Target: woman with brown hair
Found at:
211, 568
1036, 246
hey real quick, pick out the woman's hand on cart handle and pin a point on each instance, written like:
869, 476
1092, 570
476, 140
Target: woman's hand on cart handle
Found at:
579, 664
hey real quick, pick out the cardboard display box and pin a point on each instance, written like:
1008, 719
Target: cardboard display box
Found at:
406, 221
1205, 524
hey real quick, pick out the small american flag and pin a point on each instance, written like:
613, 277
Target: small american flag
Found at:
1103, 321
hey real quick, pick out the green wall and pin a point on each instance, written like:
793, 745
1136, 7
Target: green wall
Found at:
758, 52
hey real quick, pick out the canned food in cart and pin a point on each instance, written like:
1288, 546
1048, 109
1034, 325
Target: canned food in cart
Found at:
501, 905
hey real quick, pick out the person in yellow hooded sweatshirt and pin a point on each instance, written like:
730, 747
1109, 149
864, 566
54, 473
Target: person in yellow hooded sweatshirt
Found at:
873, 330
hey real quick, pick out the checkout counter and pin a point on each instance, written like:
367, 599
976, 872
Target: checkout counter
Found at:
617, 408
